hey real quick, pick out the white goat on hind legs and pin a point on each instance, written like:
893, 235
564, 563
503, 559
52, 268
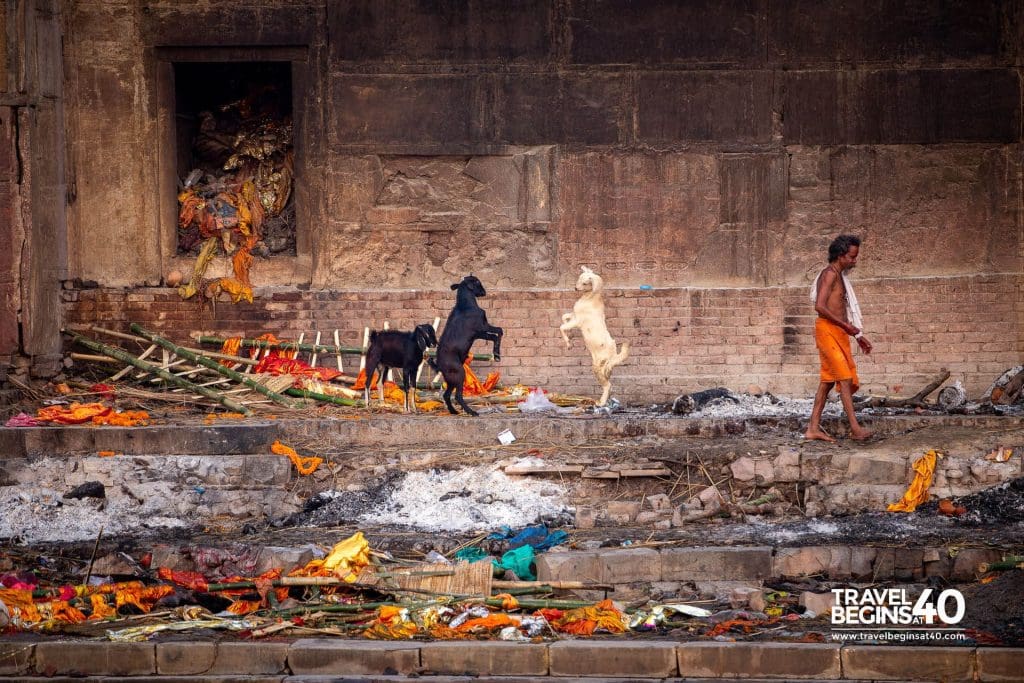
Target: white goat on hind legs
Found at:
588, 316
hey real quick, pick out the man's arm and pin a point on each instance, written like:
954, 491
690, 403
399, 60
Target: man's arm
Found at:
826, 283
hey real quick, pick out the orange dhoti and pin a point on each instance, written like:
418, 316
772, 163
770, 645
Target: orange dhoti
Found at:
836, 356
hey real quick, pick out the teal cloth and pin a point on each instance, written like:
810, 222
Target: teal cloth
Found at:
519, 560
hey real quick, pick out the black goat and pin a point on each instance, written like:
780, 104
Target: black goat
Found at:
466, 323
393, 349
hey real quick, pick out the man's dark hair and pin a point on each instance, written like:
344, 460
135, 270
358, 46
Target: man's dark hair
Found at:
841, 245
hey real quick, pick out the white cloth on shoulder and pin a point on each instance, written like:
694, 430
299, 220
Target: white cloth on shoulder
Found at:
852, 307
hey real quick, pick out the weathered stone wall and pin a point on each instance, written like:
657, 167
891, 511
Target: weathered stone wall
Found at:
711, 151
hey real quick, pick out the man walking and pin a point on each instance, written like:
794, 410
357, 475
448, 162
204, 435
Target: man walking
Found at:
838, 320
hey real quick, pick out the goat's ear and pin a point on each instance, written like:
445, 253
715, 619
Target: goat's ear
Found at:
422, 340
456, 285
585, 269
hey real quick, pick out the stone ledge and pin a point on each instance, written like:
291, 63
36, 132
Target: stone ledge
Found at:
947, 664
742, 660
484, 657
1000, 664
318, 656
94, 658
613, 658
595, 659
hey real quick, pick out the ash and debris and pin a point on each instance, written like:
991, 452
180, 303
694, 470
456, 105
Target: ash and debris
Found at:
1001, 504
473, 498
997, 607
41, 515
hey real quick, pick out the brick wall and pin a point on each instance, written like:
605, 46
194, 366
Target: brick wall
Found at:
683, 339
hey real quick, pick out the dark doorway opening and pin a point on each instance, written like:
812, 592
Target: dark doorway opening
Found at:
234, 156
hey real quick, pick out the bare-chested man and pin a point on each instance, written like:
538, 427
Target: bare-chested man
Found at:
832, 332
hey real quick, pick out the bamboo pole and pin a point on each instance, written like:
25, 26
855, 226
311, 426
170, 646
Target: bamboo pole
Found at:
337, 354
312, 358
128, 368
154, 347
292, 346
213, 365
326, 398
124, 356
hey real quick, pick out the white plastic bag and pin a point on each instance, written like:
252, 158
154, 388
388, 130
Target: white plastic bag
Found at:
536, 402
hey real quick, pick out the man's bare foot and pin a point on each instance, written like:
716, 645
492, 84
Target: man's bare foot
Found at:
818, 435
861, 435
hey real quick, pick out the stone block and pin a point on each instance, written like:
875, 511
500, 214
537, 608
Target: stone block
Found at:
787, 464
89, 658
909, 564
747, 597
902, 663
402, 109
569, 566
623, 511
286, 559
1000, 664
724, 590
629, 565
819, 603
965, 564
716, 564
539, 109
771, 660
249, 659
16, 658
704, 106
586, 517
485, 658
193, 26
660, 502
316, 656
867, 470
848, 32
456, 33
186, 658
697, 31
830, 561
936, 105
261, 470
613, 658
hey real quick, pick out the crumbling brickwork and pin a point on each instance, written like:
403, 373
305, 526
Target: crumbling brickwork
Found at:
710, 151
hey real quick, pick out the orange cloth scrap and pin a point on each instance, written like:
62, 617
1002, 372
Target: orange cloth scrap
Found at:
93, 413
27, 612
392, 623
491, 622
471, 386
917, 493
305, 465
584, 621
835, 353
277, 365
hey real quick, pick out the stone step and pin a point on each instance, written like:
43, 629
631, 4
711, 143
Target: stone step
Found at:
320, 659
257, 471
248, 437
253, 436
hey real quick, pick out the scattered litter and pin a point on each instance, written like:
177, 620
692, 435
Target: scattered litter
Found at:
536, 402
506, 437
